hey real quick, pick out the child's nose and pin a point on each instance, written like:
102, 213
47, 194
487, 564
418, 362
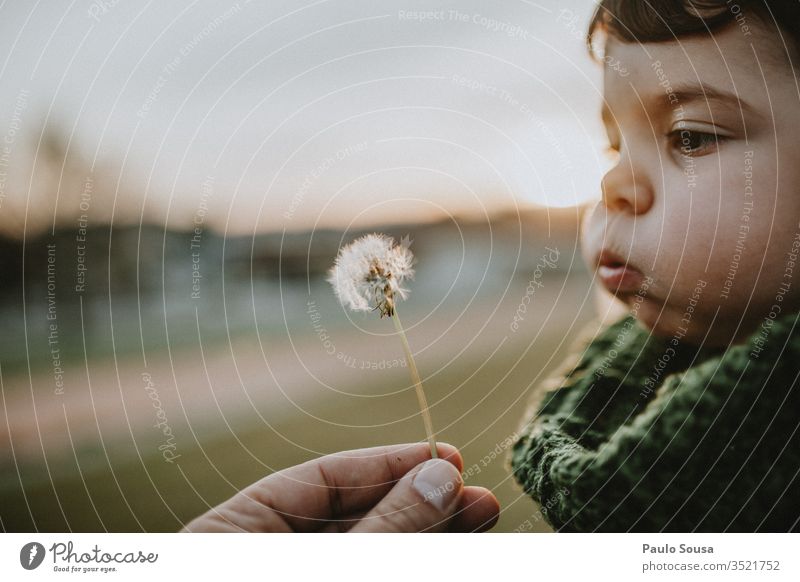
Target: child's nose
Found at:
625, 190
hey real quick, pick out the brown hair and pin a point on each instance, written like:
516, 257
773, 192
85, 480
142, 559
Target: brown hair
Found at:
661, 20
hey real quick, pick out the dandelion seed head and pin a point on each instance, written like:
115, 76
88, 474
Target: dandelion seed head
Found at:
369, 272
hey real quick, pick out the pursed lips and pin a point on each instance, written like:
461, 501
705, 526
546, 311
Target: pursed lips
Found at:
616, 273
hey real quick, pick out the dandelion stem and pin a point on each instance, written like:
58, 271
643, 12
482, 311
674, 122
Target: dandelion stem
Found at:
423, 403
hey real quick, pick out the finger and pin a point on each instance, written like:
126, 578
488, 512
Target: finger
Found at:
343, 524
478, 511
307, 496
423, 500
343, 483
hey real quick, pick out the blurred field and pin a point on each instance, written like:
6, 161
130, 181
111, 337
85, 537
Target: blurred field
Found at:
105, 471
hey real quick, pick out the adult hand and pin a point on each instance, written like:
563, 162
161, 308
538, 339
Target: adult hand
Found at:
396, 488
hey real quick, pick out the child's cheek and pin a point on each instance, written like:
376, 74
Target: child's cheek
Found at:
592, 228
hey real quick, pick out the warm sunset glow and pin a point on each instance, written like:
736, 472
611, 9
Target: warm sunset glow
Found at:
324, 131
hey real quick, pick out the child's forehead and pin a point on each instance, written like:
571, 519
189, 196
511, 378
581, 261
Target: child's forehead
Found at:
727, 54
727, 67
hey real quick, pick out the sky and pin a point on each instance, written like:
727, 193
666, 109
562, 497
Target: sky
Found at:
264, 116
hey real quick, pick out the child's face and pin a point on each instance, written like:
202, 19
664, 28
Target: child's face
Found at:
707, 221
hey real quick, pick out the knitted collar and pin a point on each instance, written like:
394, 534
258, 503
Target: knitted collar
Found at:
652, 434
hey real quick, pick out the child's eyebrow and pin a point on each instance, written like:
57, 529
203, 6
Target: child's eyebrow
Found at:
684, 94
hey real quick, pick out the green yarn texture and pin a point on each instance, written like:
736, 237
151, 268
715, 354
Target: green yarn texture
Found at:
647, 434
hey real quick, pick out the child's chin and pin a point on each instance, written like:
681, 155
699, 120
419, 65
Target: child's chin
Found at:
666, 325
659, 322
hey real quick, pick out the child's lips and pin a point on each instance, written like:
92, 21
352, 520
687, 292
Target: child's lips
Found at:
617, 275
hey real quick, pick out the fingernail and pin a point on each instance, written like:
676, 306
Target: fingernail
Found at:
438, 481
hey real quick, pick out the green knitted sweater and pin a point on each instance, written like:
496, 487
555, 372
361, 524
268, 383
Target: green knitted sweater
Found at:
650, 434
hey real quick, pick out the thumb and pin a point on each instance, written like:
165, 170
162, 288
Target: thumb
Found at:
423, 500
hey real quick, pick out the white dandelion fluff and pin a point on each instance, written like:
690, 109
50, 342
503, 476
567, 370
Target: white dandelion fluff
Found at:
369, 272
367, 275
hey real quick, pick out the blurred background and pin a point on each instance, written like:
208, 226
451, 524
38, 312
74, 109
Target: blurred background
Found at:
177, 177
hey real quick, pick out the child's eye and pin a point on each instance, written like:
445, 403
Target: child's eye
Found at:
694, 143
